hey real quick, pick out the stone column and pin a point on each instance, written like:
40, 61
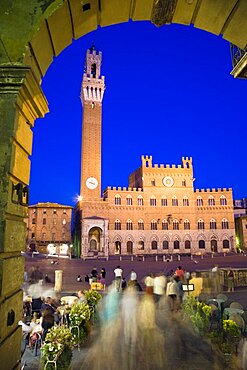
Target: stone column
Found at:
21, 102
58, 280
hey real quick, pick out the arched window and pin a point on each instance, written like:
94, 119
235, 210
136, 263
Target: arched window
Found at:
129, 200
211, 201
117, 225
140, 225
176, 244
152, 201
174, 201
93, 70
200, 224
164, 225
213, 225
129, 225
164, 201
187, 244
165, 244
225, 224
201, 244
117, 200
185, 201
226, 244
154, 244
175, 225
186, 225
199, 202
140, 200
153, 225
223, 201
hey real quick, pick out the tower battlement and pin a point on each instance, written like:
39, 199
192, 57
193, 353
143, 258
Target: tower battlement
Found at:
213, 190
124, 188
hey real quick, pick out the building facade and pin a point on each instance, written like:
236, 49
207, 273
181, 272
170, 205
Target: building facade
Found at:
160, 212
241, 233
49, 224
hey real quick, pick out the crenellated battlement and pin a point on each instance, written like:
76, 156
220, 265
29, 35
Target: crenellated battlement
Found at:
147, 163
213, 190
124, 188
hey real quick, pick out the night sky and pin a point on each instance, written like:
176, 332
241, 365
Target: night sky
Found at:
169, 93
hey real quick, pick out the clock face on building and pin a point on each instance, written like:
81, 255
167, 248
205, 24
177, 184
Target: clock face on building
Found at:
168, 181
91, 183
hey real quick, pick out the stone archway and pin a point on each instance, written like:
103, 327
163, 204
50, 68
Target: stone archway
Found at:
26, 52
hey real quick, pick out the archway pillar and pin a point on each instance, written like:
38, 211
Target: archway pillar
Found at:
21, 102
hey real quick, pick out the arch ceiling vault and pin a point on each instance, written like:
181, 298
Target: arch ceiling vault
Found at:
32, 33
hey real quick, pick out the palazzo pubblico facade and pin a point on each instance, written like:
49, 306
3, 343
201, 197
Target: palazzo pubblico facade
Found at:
160, 212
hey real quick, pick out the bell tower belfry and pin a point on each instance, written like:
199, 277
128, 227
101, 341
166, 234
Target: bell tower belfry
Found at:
92, 91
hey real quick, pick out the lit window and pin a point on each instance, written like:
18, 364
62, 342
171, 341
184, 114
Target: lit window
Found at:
154, 225
186, 225
200, 225
129, 200
117, 225
129, 225
185, 201
152, 201
175, 225
212, 224
140, 225
163, 201
223, 201
43, 235
117, 200
225, 224
211, 201
174, 201
199, 202
141, 245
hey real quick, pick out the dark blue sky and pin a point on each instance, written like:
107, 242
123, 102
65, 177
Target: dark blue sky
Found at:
169, 93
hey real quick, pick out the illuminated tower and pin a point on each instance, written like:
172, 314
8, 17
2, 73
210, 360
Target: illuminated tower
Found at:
92, 91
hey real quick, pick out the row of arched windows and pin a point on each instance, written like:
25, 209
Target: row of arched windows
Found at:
176, 244
175, 224
174, 201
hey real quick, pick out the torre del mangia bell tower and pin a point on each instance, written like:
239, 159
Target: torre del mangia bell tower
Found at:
92, 91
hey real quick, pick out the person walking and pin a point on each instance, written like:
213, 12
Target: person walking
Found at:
118, 272
172, 293
102, 277
230, 280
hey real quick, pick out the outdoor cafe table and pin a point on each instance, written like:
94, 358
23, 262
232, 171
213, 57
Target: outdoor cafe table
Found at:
70, 300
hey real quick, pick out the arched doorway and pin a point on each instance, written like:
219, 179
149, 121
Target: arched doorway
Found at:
94, 237
214, 247
117, 247
129, 247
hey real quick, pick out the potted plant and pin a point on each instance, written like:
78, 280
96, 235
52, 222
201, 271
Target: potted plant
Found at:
79, 318
57, 348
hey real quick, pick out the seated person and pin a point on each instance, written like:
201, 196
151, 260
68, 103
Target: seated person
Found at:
81, 297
